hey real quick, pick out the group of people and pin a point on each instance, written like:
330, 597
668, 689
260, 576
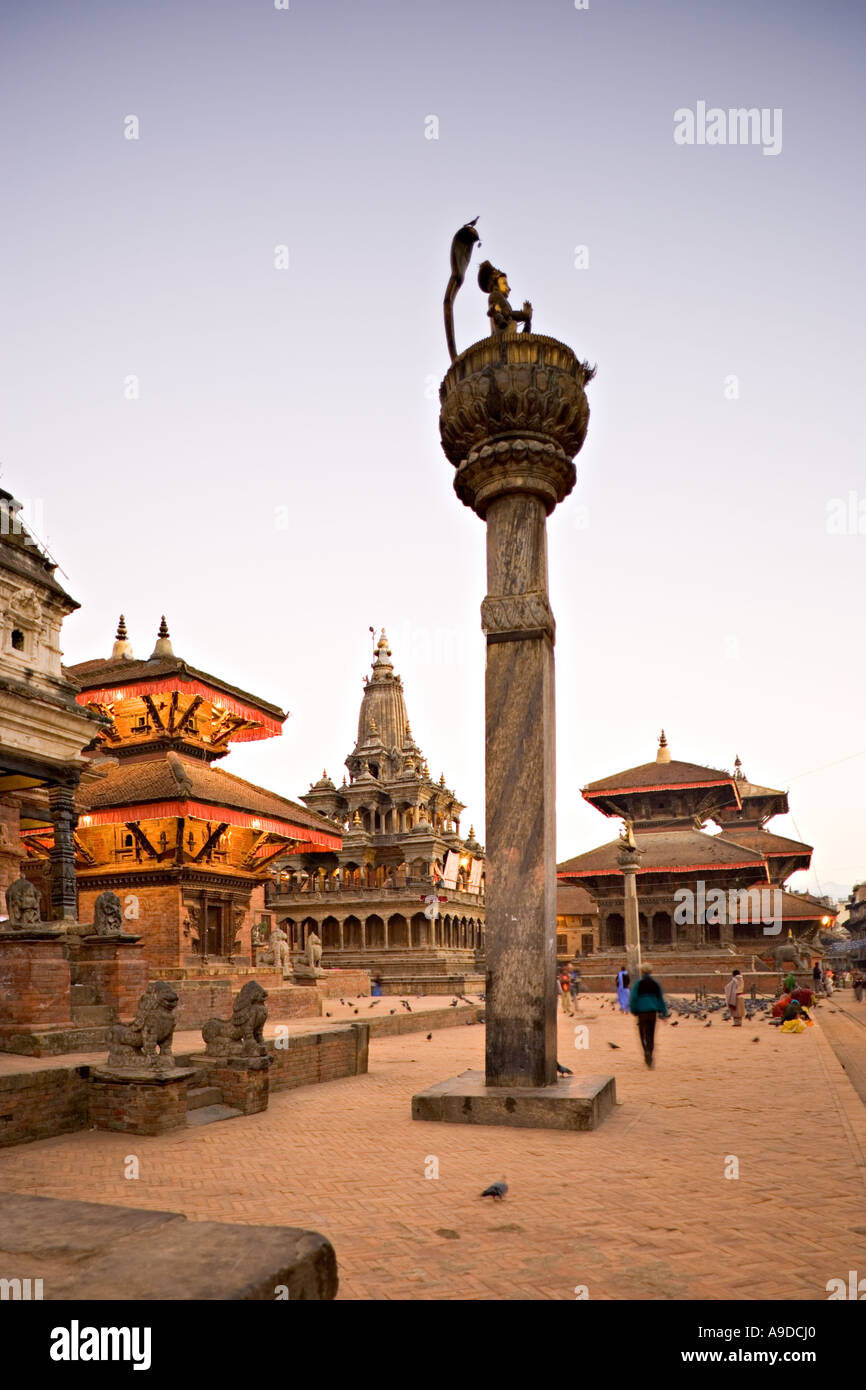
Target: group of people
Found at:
568, 988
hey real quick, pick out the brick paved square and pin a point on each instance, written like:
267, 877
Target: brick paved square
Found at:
638, 1209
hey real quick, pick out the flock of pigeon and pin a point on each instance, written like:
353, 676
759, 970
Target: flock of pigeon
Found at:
458, 999
700, 1011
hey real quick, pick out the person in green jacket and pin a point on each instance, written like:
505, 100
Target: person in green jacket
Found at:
646, 1003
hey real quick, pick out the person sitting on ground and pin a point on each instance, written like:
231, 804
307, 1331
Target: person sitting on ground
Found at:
792, 1021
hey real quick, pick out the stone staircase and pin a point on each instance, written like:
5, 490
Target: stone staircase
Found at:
204, 1101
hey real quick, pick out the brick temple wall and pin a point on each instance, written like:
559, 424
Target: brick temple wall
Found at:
158, 921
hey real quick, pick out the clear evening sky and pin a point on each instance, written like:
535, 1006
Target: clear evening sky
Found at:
277, 487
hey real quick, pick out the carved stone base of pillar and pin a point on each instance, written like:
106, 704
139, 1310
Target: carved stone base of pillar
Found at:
574, 1102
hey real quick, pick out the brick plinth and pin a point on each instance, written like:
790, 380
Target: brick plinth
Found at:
34, 981
343, 984
244, 1083
139, 1104
116, 969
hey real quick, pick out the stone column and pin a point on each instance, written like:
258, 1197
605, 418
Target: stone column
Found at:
629, 859
64, 896
520, 796
513, 416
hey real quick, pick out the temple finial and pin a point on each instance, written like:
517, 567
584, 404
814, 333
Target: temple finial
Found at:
122, 649
664, 753
738, 768
163, 641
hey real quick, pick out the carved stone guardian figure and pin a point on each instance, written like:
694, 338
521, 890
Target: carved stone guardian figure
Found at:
145, 1044
308, 965
241, 1035
277, 952
22, 905
108, 915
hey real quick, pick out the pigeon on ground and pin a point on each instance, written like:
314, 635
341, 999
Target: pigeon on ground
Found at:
393, 1011
676, 1024
756, 1039
342, 1001
709, 1025
429, 1036
327, 1015
496, 1190
374, 1003
356, 1011
615, 1046
564, 1071
454, 1004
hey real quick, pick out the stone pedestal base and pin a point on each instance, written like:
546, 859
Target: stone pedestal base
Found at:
243, 1081
34, 979
573, 1102
116, 969
139, 1102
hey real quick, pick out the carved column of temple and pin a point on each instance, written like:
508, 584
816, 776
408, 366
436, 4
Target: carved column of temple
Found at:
64, 897
629, 858
513, 416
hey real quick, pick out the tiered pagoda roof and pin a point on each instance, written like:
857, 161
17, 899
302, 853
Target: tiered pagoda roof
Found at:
164, 699
169, 722
668, 802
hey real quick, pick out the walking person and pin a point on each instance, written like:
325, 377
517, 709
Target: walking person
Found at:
858, 987
735, 998
646, 1002
817, 977
622, 990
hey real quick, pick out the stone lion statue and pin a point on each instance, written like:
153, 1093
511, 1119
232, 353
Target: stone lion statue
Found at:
108, 915
146, 1041
241, 1035
277, 952
23, 904
309, 962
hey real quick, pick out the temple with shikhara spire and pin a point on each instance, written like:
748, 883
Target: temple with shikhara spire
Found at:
666, 805
369, 901
186, 845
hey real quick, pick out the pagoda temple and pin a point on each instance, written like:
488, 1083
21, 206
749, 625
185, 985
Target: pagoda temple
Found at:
186, 845
403, 894
668, 804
